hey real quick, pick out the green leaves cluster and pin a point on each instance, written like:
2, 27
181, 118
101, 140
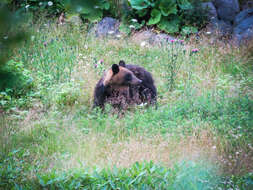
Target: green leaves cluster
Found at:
91, 9
168, 15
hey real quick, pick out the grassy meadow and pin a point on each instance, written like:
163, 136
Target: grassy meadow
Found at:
199, 137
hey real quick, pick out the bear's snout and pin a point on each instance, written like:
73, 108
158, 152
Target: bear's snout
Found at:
136, 81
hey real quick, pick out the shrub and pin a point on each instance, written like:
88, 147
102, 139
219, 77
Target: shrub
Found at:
171, 16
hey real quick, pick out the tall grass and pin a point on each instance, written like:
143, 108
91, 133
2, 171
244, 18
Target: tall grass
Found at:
205, 117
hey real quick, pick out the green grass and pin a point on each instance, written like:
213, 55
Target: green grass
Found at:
199, 137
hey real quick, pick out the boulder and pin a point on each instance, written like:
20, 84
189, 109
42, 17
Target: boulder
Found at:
220, 27
152, 38
143, 36
107, 26
243, 15
212, 13
243, 31
243, 25
227, 9
160, 39
75, 20
244, 38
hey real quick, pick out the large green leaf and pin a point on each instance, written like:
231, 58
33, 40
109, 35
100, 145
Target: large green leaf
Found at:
94, 15
170, 26
155, 17
142, 13
168, 7
104, 5
140, 4
184, 4
189, 30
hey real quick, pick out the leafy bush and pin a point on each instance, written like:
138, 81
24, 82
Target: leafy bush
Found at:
172, 16
91, 10
16, 81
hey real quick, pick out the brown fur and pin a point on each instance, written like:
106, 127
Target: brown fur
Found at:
121, 86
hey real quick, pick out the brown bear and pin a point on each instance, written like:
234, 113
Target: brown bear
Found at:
125, 84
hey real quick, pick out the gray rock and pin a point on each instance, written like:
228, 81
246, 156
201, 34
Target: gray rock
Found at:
161, 39
145, 35
227, 9
243, 15
243, 38
151, 38
75, 20
212, 13
220, 27
107, 26
243, 25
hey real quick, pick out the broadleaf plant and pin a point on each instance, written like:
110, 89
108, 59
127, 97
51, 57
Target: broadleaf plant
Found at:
167, 15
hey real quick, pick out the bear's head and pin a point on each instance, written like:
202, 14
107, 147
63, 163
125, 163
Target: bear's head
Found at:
120, 76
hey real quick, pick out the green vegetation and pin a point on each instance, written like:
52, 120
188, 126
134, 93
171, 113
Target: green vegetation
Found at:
171, 16
200, 137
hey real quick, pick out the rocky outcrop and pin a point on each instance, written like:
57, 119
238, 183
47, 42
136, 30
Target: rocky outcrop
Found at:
227, 9
107, 26
243, 26
211, 10
149, 37
228, 21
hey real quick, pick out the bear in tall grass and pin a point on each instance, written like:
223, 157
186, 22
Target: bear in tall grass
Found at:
124, 84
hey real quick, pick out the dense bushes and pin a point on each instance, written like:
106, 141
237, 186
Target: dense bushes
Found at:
171, 16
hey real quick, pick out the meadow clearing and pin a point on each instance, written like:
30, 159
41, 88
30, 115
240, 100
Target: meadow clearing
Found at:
199, 137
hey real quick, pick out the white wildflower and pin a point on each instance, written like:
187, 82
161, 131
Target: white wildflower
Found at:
96, 7
214, 147
131, 26
32, 38
40, 4
110, 32
143, 44
237, 153
27, 6
118, 36
5, 37
208, 32
50, 3
134, 20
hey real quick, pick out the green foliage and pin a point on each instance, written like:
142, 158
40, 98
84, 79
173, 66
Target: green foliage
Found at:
90, 10
16, 80
146, 175
170, 15
10, 32
208, 95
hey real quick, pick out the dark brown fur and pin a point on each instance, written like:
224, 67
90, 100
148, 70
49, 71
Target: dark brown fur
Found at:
115, 88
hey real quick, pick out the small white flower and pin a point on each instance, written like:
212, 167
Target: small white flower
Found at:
5, 37
214, 147
50, 3
40, 4
237, 153
27, 6
96, 7
143, 44
131, 26
118, 36
32, 38
111, 32
208, 32
134, 20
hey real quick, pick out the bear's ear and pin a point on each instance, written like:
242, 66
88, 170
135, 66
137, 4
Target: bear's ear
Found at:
122, 63
115, 69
